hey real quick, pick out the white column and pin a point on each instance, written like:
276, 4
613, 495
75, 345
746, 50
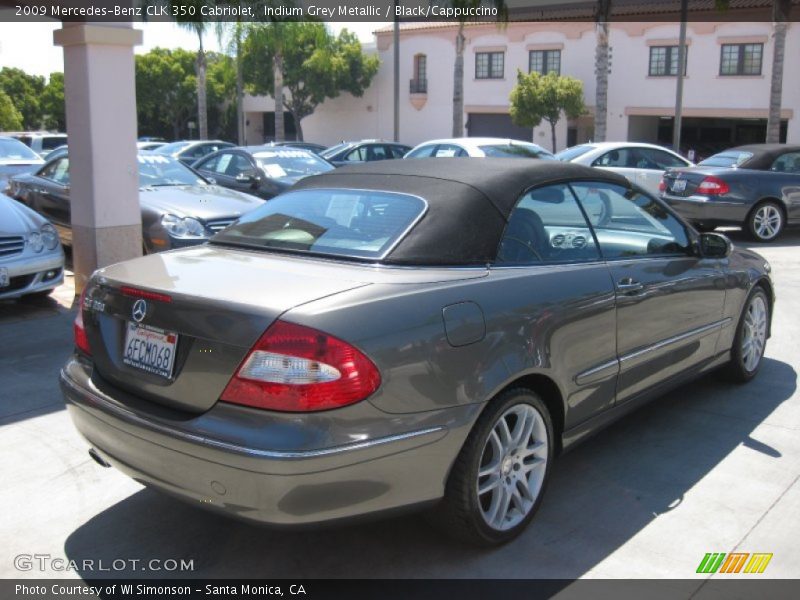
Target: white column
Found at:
100, 97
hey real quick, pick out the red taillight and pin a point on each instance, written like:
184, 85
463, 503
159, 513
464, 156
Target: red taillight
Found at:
81, 341
137, 293
662, 185
713, 186
298, 369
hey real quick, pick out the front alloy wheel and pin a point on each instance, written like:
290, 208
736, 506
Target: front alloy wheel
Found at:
751, 337
766, 222
498, 479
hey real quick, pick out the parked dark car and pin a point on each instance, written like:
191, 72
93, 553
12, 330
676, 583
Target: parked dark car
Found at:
406, 333
190, 151
348, 153
756, 187
265, 171
15, 157
179, 208
310, 146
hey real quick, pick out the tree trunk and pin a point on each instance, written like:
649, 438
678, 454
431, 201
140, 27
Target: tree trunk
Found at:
298, 127
280, 133
458, 84
202, 109
601, 71
779, 9
240, 136
553, 135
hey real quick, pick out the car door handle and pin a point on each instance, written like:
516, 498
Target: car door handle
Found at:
629, 286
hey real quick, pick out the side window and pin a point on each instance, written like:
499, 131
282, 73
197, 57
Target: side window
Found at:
662, 160
613, 158
547, 226
57, 171
787, 163
357, 154
448, 151
238, 165
629, 224
377, 152
396, 151
423, 151
210, 164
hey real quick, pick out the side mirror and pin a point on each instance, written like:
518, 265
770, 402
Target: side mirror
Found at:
715, 245
248, 177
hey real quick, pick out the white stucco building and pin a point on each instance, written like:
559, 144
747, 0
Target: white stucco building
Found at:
726, 88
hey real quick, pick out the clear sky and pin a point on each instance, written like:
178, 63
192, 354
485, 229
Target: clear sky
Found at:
29, 46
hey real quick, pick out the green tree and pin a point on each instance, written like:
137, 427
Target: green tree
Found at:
10, 117
538, 97
24, 91
52, 103
165, 92
221, 96
319, 66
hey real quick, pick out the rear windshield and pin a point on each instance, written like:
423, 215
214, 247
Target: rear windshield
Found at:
291, 164
338, 223
515, 151
726, 159
573, 153
15, 150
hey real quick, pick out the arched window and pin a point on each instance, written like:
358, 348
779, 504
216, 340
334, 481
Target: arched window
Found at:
419, 84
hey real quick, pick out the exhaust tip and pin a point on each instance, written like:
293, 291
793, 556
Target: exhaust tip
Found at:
97, 458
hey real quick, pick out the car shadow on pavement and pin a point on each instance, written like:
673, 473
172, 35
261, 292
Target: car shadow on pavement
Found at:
600, 496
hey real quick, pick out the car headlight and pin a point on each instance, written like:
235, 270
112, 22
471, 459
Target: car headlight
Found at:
183, 227
35, 241
49, 236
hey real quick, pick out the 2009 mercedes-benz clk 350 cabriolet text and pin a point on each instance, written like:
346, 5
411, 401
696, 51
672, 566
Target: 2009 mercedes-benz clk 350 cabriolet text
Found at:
406, 333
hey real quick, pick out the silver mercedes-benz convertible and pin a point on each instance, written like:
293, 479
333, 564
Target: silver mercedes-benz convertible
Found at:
406, 334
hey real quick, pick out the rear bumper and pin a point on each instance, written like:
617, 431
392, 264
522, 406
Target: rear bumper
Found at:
699, 209
279, 487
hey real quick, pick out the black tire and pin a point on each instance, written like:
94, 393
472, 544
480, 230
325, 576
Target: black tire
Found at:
769, 211
459, 513
737, 370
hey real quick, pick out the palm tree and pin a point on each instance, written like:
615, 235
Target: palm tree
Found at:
780, 15
199, 28
601, 70
458, 67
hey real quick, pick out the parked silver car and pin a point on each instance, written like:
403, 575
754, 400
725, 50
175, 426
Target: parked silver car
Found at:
15, 157
31, 257
403, 333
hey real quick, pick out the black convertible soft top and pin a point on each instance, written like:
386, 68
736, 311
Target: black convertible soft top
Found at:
469, 200
763, 154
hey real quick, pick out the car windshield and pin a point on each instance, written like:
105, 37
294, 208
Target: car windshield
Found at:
728, 158
15, 150
172, 148
290, 163
156, 170
573, 153
337, 223
515, 151
333, 150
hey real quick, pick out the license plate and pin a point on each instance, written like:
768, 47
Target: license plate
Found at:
679, 185
150, 349
4, 279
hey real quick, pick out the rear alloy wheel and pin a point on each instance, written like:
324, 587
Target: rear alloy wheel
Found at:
499, 477
751, 337
765, 222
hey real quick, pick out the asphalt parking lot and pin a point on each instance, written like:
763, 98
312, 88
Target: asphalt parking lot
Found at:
711, 467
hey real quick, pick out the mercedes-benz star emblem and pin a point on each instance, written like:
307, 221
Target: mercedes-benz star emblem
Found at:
139, 310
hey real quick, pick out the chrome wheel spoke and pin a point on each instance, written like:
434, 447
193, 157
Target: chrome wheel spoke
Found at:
754, 333
512, 467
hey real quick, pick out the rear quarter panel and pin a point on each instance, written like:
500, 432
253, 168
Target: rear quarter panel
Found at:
552, 320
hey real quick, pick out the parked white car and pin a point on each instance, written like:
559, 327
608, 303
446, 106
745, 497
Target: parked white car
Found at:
31, 257
478, 147
643, 164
